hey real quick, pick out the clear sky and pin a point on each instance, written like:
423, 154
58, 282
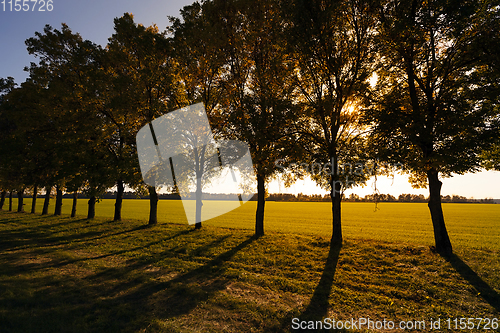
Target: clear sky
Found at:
93, 19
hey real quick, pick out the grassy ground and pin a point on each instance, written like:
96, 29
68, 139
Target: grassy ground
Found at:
59, 274
470, 225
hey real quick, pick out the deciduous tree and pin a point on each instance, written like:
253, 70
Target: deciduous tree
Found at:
332, 43
142, 64
435, 114
259, 102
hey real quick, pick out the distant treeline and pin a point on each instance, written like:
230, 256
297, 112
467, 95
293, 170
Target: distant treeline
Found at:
295, 197
134, 195
373, 198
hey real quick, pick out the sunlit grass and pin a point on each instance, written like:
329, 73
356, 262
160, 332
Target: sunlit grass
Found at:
471, 225
62, 274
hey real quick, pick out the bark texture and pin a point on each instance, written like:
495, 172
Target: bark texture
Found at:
33, 202
119, 200
153, 206
73, 206
91, 210
443, 244
261, 202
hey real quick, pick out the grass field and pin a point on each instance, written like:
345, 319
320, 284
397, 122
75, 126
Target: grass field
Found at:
61, 274
470, 225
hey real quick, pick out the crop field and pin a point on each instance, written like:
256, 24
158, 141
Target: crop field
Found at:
469, 225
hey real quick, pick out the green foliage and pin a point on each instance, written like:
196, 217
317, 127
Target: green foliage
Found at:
71, 129
140, 62
491, 158
435, 106
258, 107
332, 44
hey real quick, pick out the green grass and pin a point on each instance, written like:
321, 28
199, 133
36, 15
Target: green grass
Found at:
471, 225
59, 274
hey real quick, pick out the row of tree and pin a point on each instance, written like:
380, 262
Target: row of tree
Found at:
407, 82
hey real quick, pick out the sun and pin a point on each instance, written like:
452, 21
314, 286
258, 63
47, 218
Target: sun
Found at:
350, 108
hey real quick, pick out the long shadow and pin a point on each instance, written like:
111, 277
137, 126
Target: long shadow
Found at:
46, 219
62, 263
485, 291
113, 300
317, 309
184, 292
32, 238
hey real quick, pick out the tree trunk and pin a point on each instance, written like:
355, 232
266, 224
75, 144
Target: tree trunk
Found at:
33, 202
2, 199
443, 244
73, 206
58, 208
199, 204
20, 200
336, 195
46, 201
261, 202
119, 200
10, 201
153, 206
91, 211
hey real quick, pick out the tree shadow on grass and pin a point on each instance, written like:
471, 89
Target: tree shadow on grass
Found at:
317, 309
484, 290
45, 219
15, 241
184, 292
139, 300
41, 236
118, 299
63, 262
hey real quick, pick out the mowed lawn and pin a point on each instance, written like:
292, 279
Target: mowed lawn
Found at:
62, 274
469, 225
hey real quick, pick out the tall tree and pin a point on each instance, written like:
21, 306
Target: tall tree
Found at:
65, 73
2, 198
118, 107
7, 127
258, 103
332, 43
15, 151
199, 67
142, 63
435, 114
